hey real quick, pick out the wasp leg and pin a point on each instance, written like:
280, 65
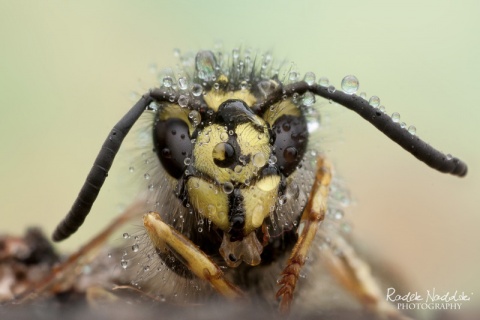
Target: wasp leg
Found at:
354, 274
313, 214
66, 273
167, 239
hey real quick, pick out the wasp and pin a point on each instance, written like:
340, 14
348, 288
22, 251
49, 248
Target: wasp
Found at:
243, 197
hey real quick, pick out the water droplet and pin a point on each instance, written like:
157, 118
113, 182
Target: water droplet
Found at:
338, 215
131, 169
242, 159
331, 89
135, 248
282, 200
146, 176
293, 75
183, 83
395, 117
309, 78
187, 161
197, 90
313, 124
350, 84
153, 106
166, 153
167, 81
200, 229
374, 101
403, 125
224, 136
382, 108
449, 156
266, 87
243, 85
211, 209
109, 255
323, 81
272, 160
227, 187
124, 264
126, 236
205, 65
259, 160
290, 154
412, 130
183, 101
308, 99
195, 116
146, 268
238, 169
235, 54
363, 95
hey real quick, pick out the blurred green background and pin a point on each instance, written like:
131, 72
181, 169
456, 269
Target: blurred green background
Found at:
67, 69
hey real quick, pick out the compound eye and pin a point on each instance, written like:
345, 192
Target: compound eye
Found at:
172, 145
291, 137
223, 155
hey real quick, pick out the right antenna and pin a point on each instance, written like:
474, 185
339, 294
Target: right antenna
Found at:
408, 141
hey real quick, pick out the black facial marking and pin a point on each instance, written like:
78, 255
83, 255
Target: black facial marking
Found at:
234, 112
227, 154
224, 155
172, 143
236, 215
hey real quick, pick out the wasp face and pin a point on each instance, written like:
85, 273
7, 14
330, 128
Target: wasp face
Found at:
232, 162
231, 140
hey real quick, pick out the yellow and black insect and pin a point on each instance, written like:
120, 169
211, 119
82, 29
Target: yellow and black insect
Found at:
242, 188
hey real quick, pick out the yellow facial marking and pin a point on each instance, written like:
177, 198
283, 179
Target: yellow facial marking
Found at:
258, 215
171, 110
258, 200
210, 201
268, 183
286, 107
212, 143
